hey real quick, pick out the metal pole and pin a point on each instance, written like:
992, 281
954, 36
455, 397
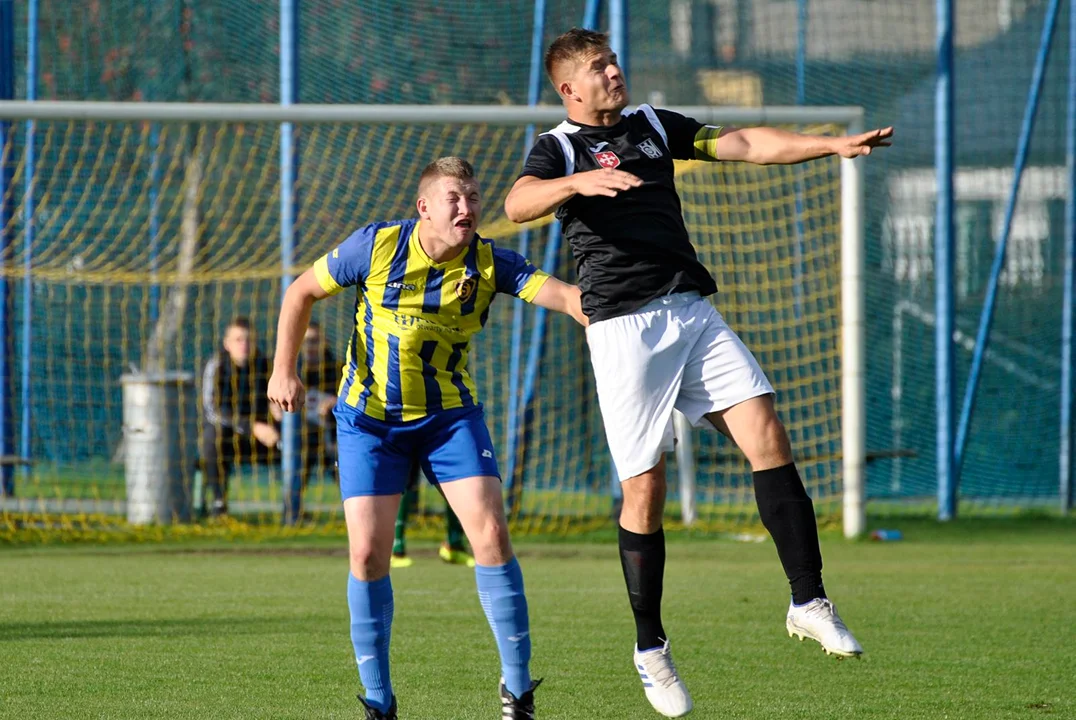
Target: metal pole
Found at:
853, 350
986, 319
7, 172
686, 466
289, 162
801, 98
1068, 315
591, 13
334, 114
516, 411
28, 239
154, 223
154, 195
943, 260
801, 51
618, 35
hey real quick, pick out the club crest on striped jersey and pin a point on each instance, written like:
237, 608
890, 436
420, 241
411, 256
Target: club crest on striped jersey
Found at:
466, 287
607, 158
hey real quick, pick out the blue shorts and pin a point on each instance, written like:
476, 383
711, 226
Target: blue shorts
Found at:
378, 458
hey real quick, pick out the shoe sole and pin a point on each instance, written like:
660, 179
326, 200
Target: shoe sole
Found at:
665, 714
795, 632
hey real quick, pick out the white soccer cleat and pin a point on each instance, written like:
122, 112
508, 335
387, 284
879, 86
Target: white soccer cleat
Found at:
819, 621
664, 688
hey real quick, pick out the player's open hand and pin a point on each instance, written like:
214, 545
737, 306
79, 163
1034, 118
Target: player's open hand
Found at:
852, 146
287, 391
607, 182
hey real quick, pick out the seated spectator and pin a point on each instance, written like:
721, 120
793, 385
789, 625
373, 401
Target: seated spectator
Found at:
238, 424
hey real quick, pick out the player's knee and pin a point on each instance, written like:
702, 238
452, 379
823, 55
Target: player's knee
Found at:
770, 446
490, 542
644, 502
366, 563
644, 512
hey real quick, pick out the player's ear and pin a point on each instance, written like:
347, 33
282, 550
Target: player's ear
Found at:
565, 89
423, 207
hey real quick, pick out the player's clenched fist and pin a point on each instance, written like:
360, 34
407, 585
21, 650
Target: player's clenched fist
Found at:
287, 391
607, 182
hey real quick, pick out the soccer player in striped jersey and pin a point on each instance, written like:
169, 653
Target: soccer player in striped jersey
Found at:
655, 341
424, 288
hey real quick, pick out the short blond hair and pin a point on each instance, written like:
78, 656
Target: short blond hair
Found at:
450, 166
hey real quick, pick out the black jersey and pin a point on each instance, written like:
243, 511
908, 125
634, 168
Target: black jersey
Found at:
632, 248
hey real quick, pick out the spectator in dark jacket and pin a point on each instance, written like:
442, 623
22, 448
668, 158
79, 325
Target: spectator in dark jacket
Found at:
237, 422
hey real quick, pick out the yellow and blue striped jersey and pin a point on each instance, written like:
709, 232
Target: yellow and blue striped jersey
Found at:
414, 318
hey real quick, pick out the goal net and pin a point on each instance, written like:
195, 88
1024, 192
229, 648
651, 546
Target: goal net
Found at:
133, 234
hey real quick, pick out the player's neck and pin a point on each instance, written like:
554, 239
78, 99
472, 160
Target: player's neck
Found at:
435, 248
596, 118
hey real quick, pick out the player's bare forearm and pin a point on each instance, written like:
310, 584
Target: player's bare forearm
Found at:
294, 319
532, 198
563, 298
285, 387
771, 146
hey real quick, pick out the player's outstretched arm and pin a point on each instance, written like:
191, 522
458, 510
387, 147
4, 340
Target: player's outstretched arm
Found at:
771, 146
561, 297
285, 387
532, 197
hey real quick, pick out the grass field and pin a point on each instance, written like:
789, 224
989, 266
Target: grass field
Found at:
976, 619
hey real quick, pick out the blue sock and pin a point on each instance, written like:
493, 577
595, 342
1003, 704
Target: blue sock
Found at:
371, 608
500, 590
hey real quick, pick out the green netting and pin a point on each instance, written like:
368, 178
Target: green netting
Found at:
876, 55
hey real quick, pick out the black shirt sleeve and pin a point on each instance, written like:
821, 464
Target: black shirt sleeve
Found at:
546, 159
681, 131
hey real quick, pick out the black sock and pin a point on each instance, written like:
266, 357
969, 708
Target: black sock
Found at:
788, 513
643, 560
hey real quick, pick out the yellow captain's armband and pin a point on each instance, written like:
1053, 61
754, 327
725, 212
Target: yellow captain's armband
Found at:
706, 142
324, 277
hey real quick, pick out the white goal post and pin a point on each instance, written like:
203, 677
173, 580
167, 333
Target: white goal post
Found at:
853, 407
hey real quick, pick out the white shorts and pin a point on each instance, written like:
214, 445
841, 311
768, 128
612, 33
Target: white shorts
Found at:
675, 352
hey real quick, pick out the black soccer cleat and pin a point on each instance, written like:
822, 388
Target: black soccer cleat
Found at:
375, 714
522, 708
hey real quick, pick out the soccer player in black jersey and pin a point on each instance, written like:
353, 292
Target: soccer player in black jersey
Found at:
656, 342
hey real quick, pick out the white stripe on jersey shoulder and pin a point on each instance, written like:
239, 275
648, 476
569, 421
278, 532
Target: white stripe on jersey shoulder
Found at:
654, 121
561, 132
